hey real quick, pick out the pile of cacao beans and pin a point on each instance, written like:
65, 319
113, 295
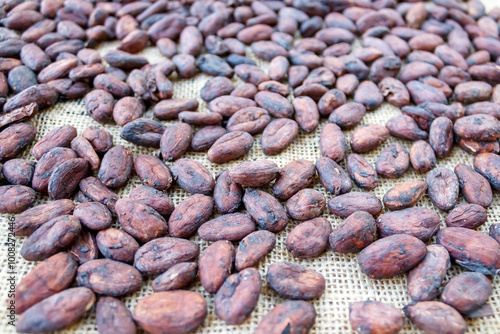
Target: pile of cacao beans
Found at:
438, 62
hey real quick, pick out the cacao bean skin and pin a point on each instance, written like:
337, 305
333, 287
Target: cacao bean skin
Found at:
346, 204
427, 277
216, 264
442, 188
189, 215
253, 248
293, 316
306, 204
293, 281
193, 177
391, 256
295, 176
117, 245
65, 178
108, 277
435, 317
366, 138
265, 210
375, 317
467, 215
51, 276
113, 316
176, 278
152, 172
227, 194
171, 311
254, 173
361, 172
16, 199
116, 166
472, 250
238, 296
475, 188
56, 312
467, 292
159, 255
14, 139
332, 176
422, 156
139, 220
232, 227
393, 161
309, 239
230, 146
278, 135
488, 165
495, 231
354, 233
30, 220
420, 223
441, 136
332, 143
404, 195
52, 237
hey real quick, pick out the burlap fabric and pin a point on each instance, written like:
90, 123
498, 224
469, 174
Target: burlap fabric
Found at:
344, 281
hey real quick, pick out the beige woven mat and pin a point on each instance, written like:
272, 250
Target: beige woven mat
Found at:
344, 281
